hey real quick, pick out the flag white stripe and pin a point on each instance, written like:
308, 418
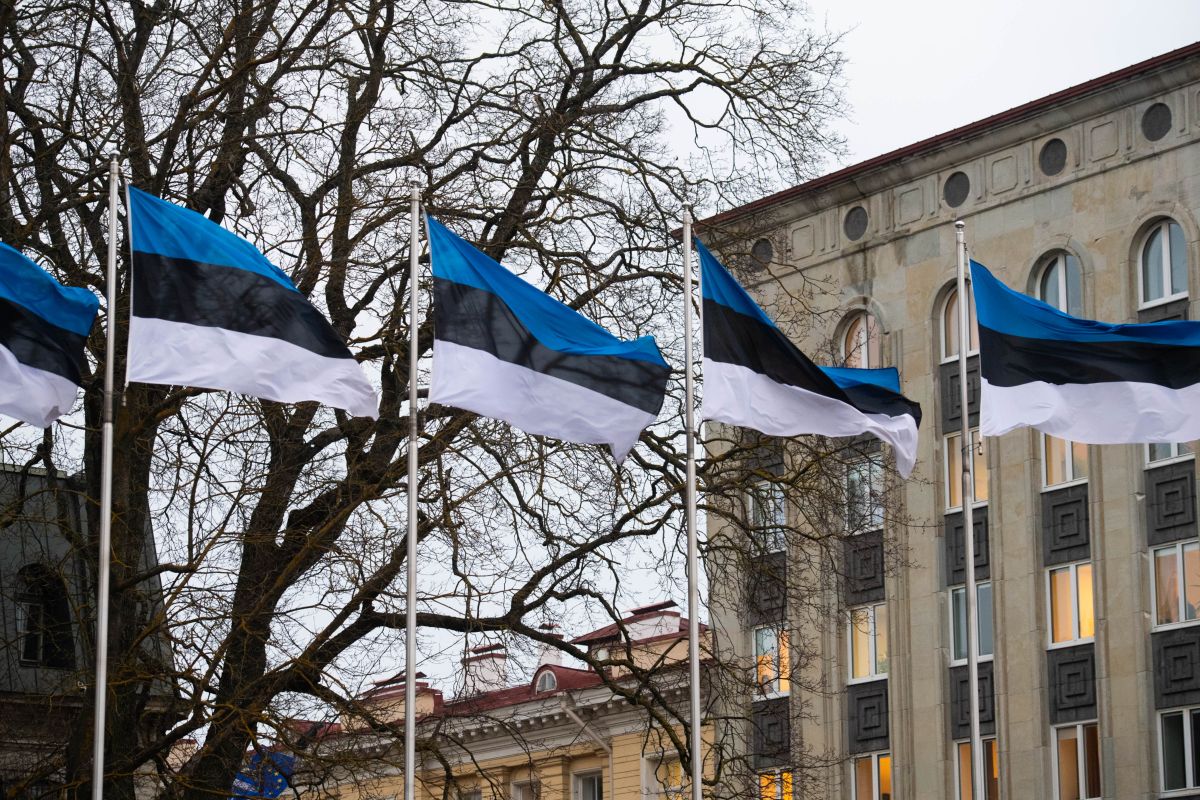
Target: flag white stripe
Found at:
34, 396
536, 403
1093, 413
179, 354
739, 396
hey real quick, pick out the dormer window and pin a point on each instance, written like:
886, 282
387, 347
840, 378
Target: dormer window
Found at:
546, 682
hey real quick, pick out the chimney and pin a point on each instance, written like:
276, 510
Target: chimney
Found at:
550, 654
649, 621
485, 669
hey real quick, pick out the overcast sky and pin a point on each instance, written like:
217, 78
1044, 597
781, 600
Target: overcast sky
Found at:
922, 67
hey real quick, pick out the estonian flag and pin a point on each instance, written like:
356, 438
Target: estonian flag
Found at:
209, 310
44, 327
505, 349
1086, 381
755, 377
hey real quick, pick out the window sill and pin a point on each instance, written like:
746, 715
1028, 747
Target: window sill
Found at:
953, 359
1065, 485
1164, 462
869, 679
1071, 643
978, 504
1174, 626
760, 696
962, 662
1162, 301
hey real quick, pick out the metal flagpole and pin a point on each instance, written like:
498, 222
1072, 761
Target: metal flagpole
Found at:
106, 460
693, 557
968, 500
410, 623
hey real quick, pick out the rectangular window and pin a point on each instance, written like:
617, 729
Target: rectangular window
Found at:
953, 474
1077, 761
1063, 461
527, 790
864, 496
775, 784
669, 777
1071, 604
30, 628
958, 621
1179, 738
766, 511
991, 770
1167, 451
1177, 583
872, 777
868, 636
771, 660
589, 786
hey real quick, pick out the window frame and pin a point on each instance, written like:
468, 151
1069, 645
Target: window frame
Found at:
27, 631
1176, 456
1181, 594
538, 688
785, 783
972, 324
654, 787
873, 673
946, 477
993, 749
1075, 605
876, 511
979, 657
781, 684
1163, 226
577, 779
875, 758
868, 334
772, 535
1074, 480
1190, 778
1080, 766
1059, 258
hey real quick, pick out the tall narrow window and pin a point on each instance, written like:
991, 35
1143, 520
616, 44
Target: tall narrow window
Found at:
44, 618
958, 621
1178, 746
1163, 264
589, 786
1077, 761
775, 784
864, 496
1071, 604
766, 511
30, 629
1177, 583
991, 771
527, 790
672, 781
771, 660
860, 343
1063, 461
1061, 283
868, 642
873, 777
953, 474
949, 325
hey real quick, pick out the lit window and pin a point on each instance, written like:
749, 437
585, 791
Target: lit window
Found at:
1165, 451
1078, 761
954, 470
766, 511
589, 786
868, 642
1177, 583
860, 344
672, 782
873, 777
1063, 461
1179, 749
949, 324
1163, 264
958, 621
864, 496
991, 770
1061, 284
771, 660
775, 784
1072, 609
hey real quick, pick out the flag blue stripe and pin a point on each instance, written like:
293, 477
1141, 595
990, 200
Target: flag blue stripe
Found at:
554, 324
849, 377
1011, 313
25, 284
165, 229
718, 286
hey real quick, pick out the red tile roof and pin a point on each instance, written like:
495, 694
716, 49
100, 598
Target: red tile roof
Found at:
568, 678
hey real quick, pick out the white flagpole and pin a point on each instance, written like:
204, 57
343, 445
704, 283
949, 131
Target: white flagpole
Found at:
968, 499
106, 460
410, 621
693, 557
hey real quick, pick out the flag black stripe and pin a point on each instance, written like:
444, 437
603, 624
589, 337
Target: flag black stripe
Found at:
213, 296
1008, 360
41, 344
734, 338
471, 317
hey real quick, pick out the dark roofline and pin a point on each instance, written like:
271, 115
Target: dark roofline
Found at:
1004, 117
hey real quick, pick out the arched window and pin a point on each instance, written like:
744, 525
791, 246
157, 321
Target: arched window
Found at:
949, 326
1163, 264
44, 618
1060, 283
860, 342
546, 682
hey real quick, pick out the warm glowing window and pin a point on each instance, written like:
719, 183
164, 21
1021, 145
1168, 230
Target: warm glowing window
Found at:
868, 642
950, 328
860, 343
1072, 606
958, 621
771, 660
991, 770
775, 785
1063, 461
1077, 761
954, 469
1163, 264
873, 777
1177, 583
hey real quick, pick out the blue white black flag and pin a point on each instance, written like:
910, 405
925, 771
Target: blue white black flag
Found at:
1077, 379
755, 377
44, 327
505, 349
210, 310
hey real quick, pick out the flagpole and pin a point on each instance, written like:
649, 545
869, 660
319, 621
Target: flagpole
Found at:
410, 622
106, 462
968, 501
693, 558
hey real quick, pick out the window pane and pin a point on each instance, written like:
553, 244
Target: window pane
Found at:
979, 465
863, 783
983, 593
881, 640
991, 766
1061, 627
1068, 764
765, 651
852, 349
1091, 764
1178, 259
784, 662
965, 787
1166, 586
1050, 278
1191, 581
1087, 603
885, 777
953, 471
1074, 286
785, 785
860, 632
950, 327
1195, 720
1158, 451
958, 623
1056, 460
1079, 460
1152, 267
767, 786
1172, 755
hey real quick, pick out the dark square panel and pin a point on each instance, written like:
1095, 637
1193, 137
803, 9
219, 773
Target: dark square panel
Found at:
1174, 310
951, 395
867, 716
1171, 502
1065, 536
1072, 683
864, 569
772, 732
956, 548
766, 589
960, 701
1176, 667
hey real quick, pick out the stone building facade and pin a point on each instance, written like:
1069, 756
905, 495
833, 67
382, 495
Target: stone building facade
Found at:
1087, 556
